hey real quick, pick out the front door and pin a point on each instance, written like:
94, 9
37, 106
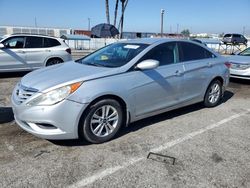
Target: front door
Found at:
159, 88
13, 56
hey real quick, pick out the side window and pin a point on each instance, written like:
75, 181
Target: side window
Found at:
48, 42
190, 51
236, 36
14, 42
166, 53
34, 42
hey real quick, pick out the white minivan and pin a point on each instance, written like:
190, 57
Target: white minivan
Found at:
25, 52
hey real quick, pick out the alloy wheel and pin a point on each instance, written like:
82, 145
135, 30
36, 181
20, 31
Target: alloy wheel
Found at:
104, 121
214, 93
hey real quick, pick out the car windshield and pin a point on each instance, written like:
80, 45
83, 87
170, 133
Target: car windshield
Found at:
114, 55
245, 52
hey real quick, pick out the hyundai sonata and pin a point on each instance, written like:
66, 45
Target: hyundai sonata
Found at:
95, 96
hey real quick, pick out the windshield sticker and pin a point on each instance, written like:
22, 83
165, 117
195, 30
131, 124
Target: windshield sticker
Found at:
129, 46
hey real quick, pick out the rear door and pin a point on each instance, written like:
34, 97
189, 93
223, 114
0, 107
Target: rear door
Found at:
35, 51
159, 88
198, 64
12, 57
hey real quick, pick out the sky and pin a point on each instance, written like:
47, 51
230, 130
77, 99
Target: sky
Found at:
199, 16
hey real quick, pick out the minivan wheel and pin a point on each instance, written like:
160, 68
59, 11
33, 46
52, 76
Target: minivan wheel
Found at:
53, 61
102, 121
213, 94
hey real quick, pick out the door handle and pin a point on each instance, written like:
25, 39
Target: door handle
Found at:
178, 73
21, 51
47, 50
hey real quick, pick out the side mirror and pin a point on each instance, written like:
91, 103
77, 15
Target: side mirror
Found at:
148, 64
1, 46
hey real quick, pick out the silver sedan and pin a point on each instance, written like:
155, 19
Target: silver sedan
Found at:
240, 65
116, 85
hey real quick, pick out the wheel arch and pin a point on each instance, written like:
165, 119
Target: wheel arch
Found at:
50, 58
219, 78
121, 101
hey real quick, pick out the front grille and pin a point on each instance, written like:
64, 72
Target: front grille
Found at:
22, 93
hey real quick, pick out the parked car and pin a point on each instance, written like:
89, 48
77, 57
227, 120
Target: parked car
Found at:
234, 39
240, 64
116, 85
24, 52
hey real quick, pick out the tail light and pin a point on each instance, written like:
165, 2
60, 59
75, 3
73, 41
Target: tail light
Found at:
228, 64
68, 50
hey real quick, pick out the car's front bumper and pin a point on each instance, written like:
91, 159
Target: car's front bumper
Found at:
242, 74
55, 122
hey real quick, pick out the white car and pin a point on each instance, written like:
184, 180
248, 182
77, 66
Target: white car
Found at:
25, 52
240, 65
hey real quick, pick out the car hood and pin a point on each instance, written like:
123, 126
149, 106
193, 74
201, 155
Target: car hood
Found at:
63, 74
239, 59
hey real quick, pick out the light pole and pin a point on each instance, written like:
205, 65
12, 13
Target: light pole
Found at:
89, 24
162, 14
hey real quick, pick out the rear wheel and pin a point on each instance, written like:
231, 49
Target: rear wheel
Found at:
102, 121
213, 94
54, 61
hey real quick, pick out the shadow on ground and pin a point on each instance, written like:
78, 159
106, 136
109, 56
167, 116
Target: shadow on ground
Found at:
6, 114
147, 122
13, 74
240, 81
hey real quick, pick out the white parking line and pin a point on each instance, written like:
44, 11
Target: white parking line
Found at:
112, 170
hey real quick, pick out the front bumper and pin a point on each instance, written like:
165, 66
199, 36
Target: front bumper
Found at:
55, 122
242, 74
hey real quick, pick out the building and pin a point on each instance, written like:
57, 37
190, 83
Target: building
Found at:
56, 32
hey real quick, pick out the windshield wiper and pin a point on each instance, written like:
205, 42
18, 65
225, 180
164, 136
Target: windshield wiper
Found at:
89, 63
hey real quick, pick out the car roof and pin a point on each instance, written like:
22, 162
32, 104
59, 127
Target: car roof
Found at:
151, 40
35, 35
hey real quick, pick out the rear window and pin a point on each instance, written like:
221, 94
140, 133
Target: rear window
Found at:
191, 52
34, 42
236, 35
49, 42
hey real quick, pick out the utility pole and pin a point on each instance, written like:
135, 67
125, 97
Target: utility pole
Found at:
177, 28
162, 14
244, 29
89, 24
35, 22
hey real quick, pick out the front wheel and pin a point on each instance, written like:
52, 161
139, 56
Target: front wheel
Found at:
102, 121
213, 94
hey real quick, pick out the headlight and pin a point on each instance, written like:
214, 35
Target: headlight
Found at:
240, 66
54, 96
246, 66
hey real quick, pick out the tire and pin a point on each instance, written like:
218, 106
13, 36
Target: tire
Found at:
96, 127
53, 61
213, 94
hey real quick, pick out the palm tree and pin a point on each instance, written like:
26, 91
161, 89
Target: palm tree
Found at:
124, 5
116, 9
107, 11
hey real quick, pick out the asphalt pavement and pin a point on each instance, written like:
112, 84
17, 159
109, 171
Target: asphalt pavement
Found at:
199, 147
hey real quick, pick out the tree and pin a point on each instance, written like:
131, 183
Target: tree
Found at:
185, 32
116, 10
107, 11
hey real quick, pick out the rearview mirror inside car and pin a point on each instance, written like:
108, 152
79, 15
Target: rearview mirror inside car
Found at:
148, 64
